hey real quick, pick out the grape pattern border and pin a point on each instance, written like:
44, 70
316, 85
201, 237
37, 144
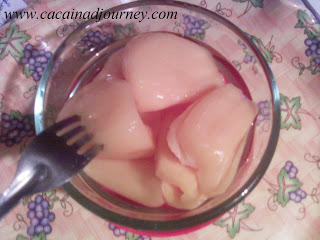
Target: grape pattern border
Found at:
44, 212
267, 50
312, 30
289, 189
234, 219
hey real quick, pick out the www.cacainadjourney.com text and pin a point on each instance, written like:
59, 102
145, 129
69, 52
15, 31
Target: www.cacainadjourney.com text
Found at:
98, 15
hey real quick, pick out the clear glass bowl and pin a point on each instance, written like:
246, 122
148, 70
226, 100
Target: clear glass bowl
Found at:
60, 80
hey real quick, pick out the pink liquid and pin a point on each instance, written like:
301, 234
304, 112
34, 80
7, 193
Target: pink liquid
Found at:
231, 75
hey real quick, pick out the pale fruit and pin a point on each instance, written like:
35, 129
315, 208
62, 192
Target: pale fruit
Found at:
112, 69
231, 173
165, 69
206, 136
180, 184
153, 120
133, 179
108, 110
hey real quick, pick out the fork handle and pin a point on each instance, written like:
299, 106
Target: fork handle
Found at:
21, 187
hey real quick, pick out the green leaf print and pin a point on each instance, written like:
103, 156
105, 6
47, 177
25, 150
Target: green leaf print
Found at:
20, 237
41, 236
132, 236
312, 28
27, 71
123, 32
289, 112
257, 3
11, 43
286, 185
265, 52
232, 219
15, 114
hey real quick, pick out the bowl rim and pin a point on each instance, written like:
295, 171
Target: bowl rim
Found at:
213, 213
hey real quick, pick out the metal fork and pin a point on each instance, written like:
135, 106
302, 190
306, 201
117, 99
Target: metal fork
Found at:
48, 162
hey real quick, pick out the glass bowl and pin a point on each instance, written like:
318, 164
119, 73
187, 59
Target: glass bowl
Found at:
63, 77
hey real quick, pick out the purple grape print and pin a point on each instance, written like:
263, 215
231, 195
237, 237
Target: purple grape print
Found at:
313, 47
30, 231
15, 127
289, 190
40, 216
35, 61
247, 58
194, 27
123, 232
38, 229
292, 195
290, 169
312, 51
31, 205
118, 232
264, 111
47, 229
298, 195
111, 226
241, 44
51, 217
96, 40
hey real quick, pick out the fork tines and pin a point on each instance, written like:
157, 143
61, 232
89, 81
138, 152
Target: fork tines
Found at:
80, 139
64, 123
83, 140
72, 133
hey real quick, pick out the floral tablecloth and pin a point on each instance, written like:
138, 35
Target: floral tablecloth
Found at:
286, 203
